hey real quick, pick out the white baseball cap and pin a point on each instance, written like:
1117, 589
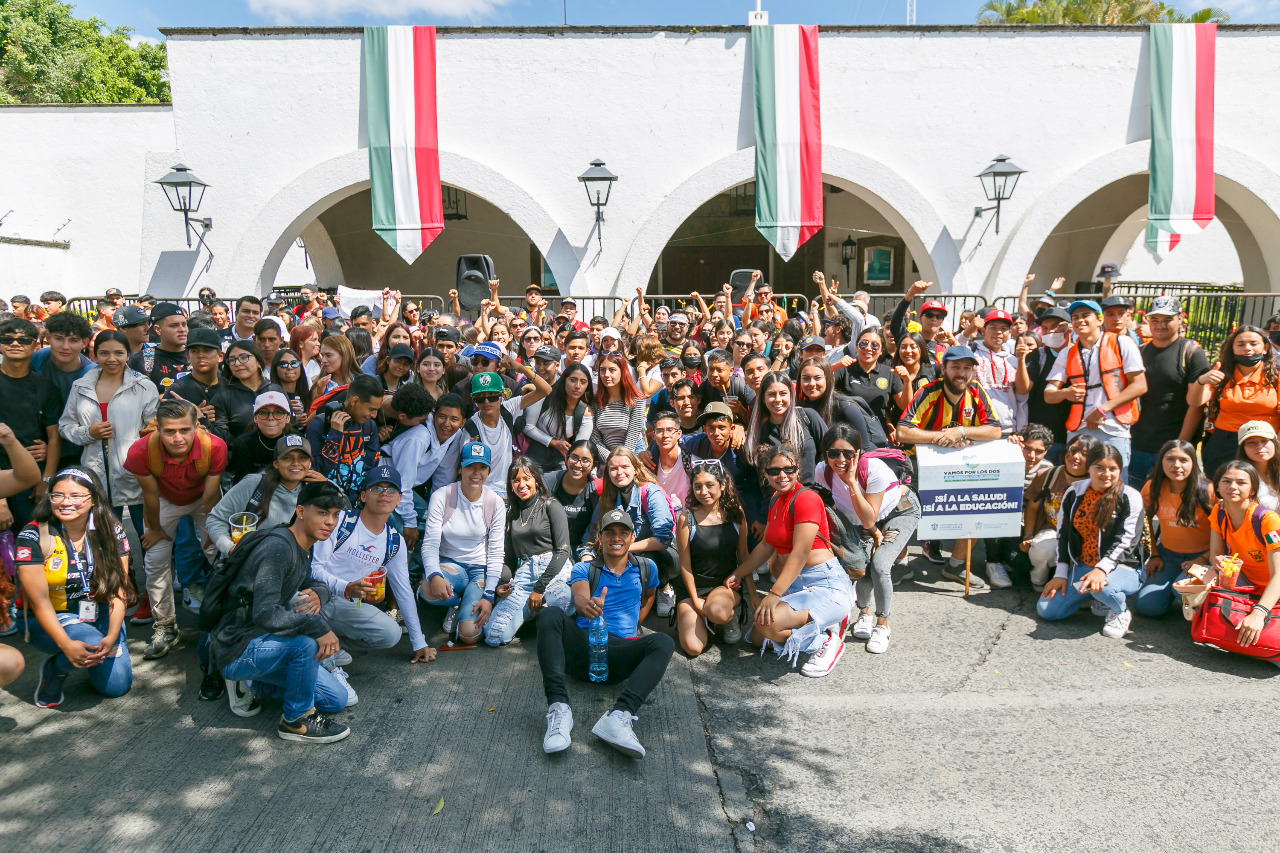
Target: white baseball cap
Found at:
270, 398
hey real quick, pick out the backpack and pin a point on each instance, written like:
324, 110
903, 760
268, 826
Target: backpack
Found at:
849, 542
325, 398
596, 567
348, 526
488, 496
218, 603
648, 488
1255, 517
897, 461
473, 429
155, 460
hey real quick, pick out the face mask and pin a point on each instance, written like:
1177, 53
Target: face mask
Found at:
1053, 340
1249, 360
693, 362
1274, 337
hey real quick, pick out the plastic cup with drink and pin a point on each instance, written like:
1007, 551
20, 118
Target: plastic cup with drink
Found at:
378, 579
1229, 570
242, 524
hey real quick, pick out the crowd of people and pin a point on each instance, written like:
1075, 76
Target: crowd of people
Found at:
311, 481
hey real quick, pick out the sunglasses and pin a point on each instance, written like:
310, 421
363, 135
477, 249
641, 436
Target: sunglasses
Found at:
742, 343
789, 470
699, 464
289, 365
868, 345
835, 453
532, 339
934, 315
21, 340
486, 398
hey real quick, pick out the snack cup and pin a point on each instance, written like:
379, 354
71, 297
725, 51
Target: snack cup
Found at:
1230, 572
379, 580
242, 523
1192, 593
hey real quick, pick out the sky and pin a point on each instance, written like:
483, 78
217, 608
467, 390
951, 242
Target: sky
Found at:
146, 16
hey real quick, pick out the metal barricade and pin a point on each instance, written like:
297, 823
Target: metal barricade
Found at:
588, 306
794, 303
883, 305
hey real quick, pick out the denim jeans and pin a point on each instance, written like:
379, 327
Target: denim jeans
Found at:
1156, 595
468, 588
112, 677
286, 668
1140, 464
1122, 582
897, 530
513, 611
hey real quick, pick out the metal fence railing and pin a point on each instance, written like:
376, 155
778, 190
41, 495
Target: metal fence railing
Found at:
885, 304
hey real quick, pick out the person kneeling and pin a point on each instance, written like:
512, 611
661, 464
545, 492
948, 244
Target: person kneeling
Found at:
1101, 522
711, 537
562, 644
276, 637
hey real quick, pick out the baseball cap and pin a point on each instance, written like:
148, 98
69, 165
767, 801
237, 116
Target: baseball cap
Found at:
474, 453
448, 333
1046, 299
1165, 306
114, 291
381, 474
610, 332
533, 287
933, 305
488, 350
467, 351
270, 398
958, 352
330, 313
547, 353
208, 338
569, 300
997, 314
1109, 271
401, 351
616, 516
487, 383
166, 309
312, 493
286, 444
132, 315
1084, 303
1116, 302
1056, 314
812, 341
1255, 429
711, 411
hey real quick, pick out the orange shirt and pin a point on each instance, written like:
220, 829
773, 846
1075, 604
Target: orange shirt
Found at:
1243, 542
1180, 540
1249, 398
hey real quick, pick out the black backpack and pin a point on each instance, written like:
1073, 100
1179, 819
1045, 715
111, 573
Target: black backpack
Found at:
596, 567
849, 542
218, 601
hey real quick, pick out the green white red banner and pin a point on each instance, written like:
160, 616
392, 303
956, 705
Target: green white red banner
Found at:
1180, 194
404, 148
788, 126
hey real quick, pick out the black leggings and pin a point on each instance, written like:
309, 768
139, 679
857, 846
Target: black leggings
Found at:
562, 646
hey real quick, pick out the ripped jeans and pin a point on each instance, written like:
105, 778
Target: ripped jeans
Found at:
896, 531
512, 612
827, 593
468, 588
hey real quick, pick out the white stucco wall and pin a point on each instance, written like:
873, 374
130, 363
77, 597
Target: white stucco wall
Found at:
271, 119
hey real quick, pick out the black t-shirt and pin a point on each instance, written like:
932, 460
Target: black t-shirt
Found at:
30, 407
1052, 415
578, 508
1170, 370
194, 391
165, 366
875, 386
928, 373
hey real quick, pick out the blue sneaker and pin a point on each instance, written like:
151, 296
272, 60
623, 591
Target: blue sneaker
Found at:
49, 686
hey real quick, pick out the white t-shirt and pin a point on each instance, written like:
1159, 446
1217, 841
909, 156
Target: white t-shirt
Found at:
1130, 362
879, 476
997, 373
498, 440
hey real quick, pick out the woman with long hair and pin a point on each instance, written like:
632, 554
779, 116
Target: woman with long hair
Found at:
871, 376
338, 365
1042, 507
537, 552
105, 413
1241, 528
578, 491
629, 486
721, 335
361, 343
530, 339
1178, 499
429, 372
806, 607
775, 419
565, 416
500, 333
1101, 525
72, 561
782, 349
394, 366
305, 341
815, 383
619, 410
394, 333
242, 382
1258, 446
740, 347
1246, 387
287, 372
711, 539
691, 361
913, 369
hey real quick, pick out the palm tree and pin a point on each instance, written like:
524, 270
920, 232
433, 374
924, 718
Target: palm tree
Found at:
1104, 12
1001, 12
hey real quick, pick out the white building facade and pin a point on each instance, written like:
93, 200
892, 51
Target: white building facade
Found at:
271, 119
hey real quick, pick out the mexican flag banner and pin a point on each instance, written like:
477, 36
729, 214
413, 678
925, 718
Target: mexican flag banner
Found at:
404, 149
1161, 243
788, 135
1180, 189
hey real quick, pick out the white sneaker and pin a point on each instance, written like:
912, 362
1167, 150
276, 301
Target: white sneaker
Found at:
341, 657
240, 697
732, 630
450, 619
1116, 625
1039, 576
559, 725
614, 728
821, 664
1099, 609
879, 642
862, 627
908, 573
192, 596
341, 674
953, 572
666, 601
998, 576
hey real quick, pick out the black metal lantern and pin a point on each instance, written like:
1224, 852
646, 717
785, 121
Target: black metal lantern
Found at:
599, 184
998, 181
185, 192
848, 253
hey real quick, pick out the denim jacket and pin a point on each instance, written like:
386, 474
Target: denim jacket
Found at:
652, 518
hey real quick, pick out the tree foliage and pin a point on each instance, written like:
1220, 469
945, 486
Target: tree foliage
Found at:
1109, 12
47, 55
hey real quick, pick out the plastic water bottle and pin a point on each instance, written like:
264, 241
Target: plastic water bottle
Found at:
597, 649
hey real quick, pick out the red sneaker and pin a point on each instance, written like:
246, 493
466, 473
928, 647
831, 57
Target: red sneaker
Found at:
142, 616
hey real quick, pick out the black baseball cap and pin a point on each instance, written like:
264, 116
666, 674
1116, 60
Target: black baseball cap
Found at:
1116, 302
401, 351
1054, 313
166, 309
129, 315
448, 333
204, 338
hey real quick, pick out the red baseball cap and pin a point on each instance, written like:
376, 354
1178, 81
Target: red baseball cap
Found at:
933, 305
997, 314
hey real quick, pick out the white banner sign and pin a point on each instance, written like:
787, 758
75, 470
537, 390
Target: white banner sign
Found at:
350, 298
973, 492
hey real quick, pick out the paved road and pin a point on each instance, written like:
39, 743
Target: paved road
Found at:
981, 729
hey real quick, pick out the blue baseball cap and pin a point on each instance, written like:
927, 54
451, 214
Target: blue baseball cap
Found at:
475, 453
488, 350
1084, 303
381, 474
959, 352
467, 351
330, 313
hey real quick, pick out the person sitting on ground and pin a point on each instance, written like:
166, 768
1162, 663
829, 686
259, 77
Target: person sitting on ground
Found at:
623, 594
537, 554
462, 546
577, 491
1259, 447
278, 640
711, 538
806, 609
1101, 523
344, 435
1178, 499
1042, 507
628, 485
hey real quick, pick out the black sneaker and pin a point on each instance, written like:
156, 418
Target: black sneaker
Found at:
49, 686
211, 687
933, 553
313, 728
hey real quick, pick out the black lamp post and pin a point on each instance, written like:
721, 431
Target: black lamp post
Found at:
598, 180
848, 252
998, 181
185, 192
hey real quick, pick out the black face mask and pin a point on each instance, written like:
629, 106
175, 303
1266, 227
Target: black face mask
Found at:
1249, 360
1274, 337
693, 362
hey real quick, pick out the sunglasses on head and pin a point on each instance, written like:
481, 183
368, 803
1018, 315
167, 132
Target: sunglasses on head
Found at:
486, 398
789, 470
699, 464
